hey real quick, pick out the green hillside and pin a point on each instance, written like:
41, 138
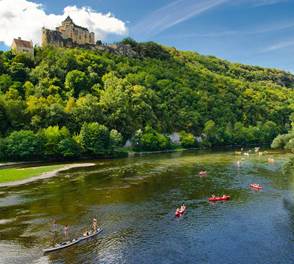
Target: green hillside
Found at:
95, 101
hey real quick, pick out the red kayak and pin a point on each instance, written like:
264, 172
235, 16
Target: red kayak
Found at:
180, 213
255, 186
221, 198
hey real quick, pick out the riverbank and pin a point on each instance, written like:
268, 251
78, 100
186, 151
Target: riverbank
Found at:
19, 176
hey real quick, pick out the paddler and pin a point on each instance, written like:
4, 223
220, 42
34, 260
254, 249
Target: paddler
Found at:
54, 226
86, 233
183, 208
65, 231
94, 224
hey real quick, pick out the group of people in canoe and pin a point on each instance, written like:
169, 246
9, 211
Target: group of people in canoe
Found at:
93, 231
66, 228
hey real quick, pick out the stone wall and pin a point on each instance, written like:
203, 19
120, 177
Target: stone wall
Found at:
55, 38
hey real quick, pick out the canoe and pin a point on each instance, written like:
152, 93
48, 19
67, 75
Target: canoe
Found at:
255, 186
67, 244
221, 198
178, 214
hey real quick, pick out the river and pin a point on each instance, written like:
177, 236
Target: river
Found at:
134, 200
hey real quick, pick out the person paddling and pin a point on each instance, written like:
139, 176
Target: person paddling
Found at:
54, 226
94, 224
65, 231
86, 233
183, 208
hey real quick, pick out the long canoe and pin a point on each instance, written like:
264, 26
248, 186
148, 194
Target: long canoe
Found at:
71, 243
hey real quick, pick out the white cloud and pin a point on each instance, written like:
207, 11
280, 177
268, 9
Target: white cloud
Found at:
22, 18
267, 2
279, 46
173, 14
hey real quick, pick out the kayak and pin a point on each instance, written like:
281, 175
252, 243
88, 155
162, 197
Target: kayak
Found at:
202, 173
180, 213
67, 244
255, 186
221, 198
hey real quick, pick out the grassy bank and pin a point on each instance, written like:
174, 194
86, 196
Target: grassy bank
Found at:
17, 174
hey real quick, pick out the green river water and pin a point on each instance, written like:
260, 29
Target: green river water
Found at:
134, 200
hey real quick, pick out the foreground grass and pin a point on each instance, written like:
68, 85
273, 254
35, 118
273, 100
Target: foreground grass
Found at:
17, 174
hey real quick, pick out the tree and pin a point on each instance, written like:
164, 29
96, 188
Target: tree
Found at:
115, 139
76, 82
150, 140
114, 102
69, 148
94, 138
187, 140
5, 83
3, 149
24, 145
52, 136
18, 71
85, 109
290, 145
282, 140
209, 131
4, 125
269, 131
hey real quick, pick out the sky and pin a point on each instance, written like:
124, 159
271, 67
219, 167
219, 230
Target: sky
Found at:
256, 32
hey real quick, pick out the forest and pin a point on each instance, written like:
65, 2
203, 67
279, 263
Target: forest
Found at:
72, 103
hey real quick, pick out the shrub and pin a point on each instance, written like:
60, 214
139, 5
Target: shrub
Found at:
95, 138
24, 145
187, 140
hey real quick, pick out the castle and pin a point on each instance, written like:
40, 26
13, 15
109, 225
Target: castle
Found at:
68, 35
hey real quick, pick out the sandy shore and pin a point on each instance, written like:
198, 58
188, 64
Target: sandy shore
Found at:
46, 174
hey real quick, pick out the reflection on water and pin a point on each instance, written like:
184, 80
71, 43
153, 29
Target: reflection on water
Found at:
134, 200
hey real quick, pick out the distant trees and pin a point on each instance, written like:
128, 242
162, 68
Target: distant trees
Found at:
94, 138
285, 141
76, 82
188, 140
54, 143
69, 148
150, 140
23, 145
52, 137
81, 102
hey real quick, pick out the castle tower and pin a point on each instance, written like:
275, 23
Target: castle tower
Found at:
78, 34
68, 35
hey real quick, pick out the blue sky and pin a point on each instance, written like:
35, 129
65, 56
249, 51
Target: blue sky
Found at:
258, 32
